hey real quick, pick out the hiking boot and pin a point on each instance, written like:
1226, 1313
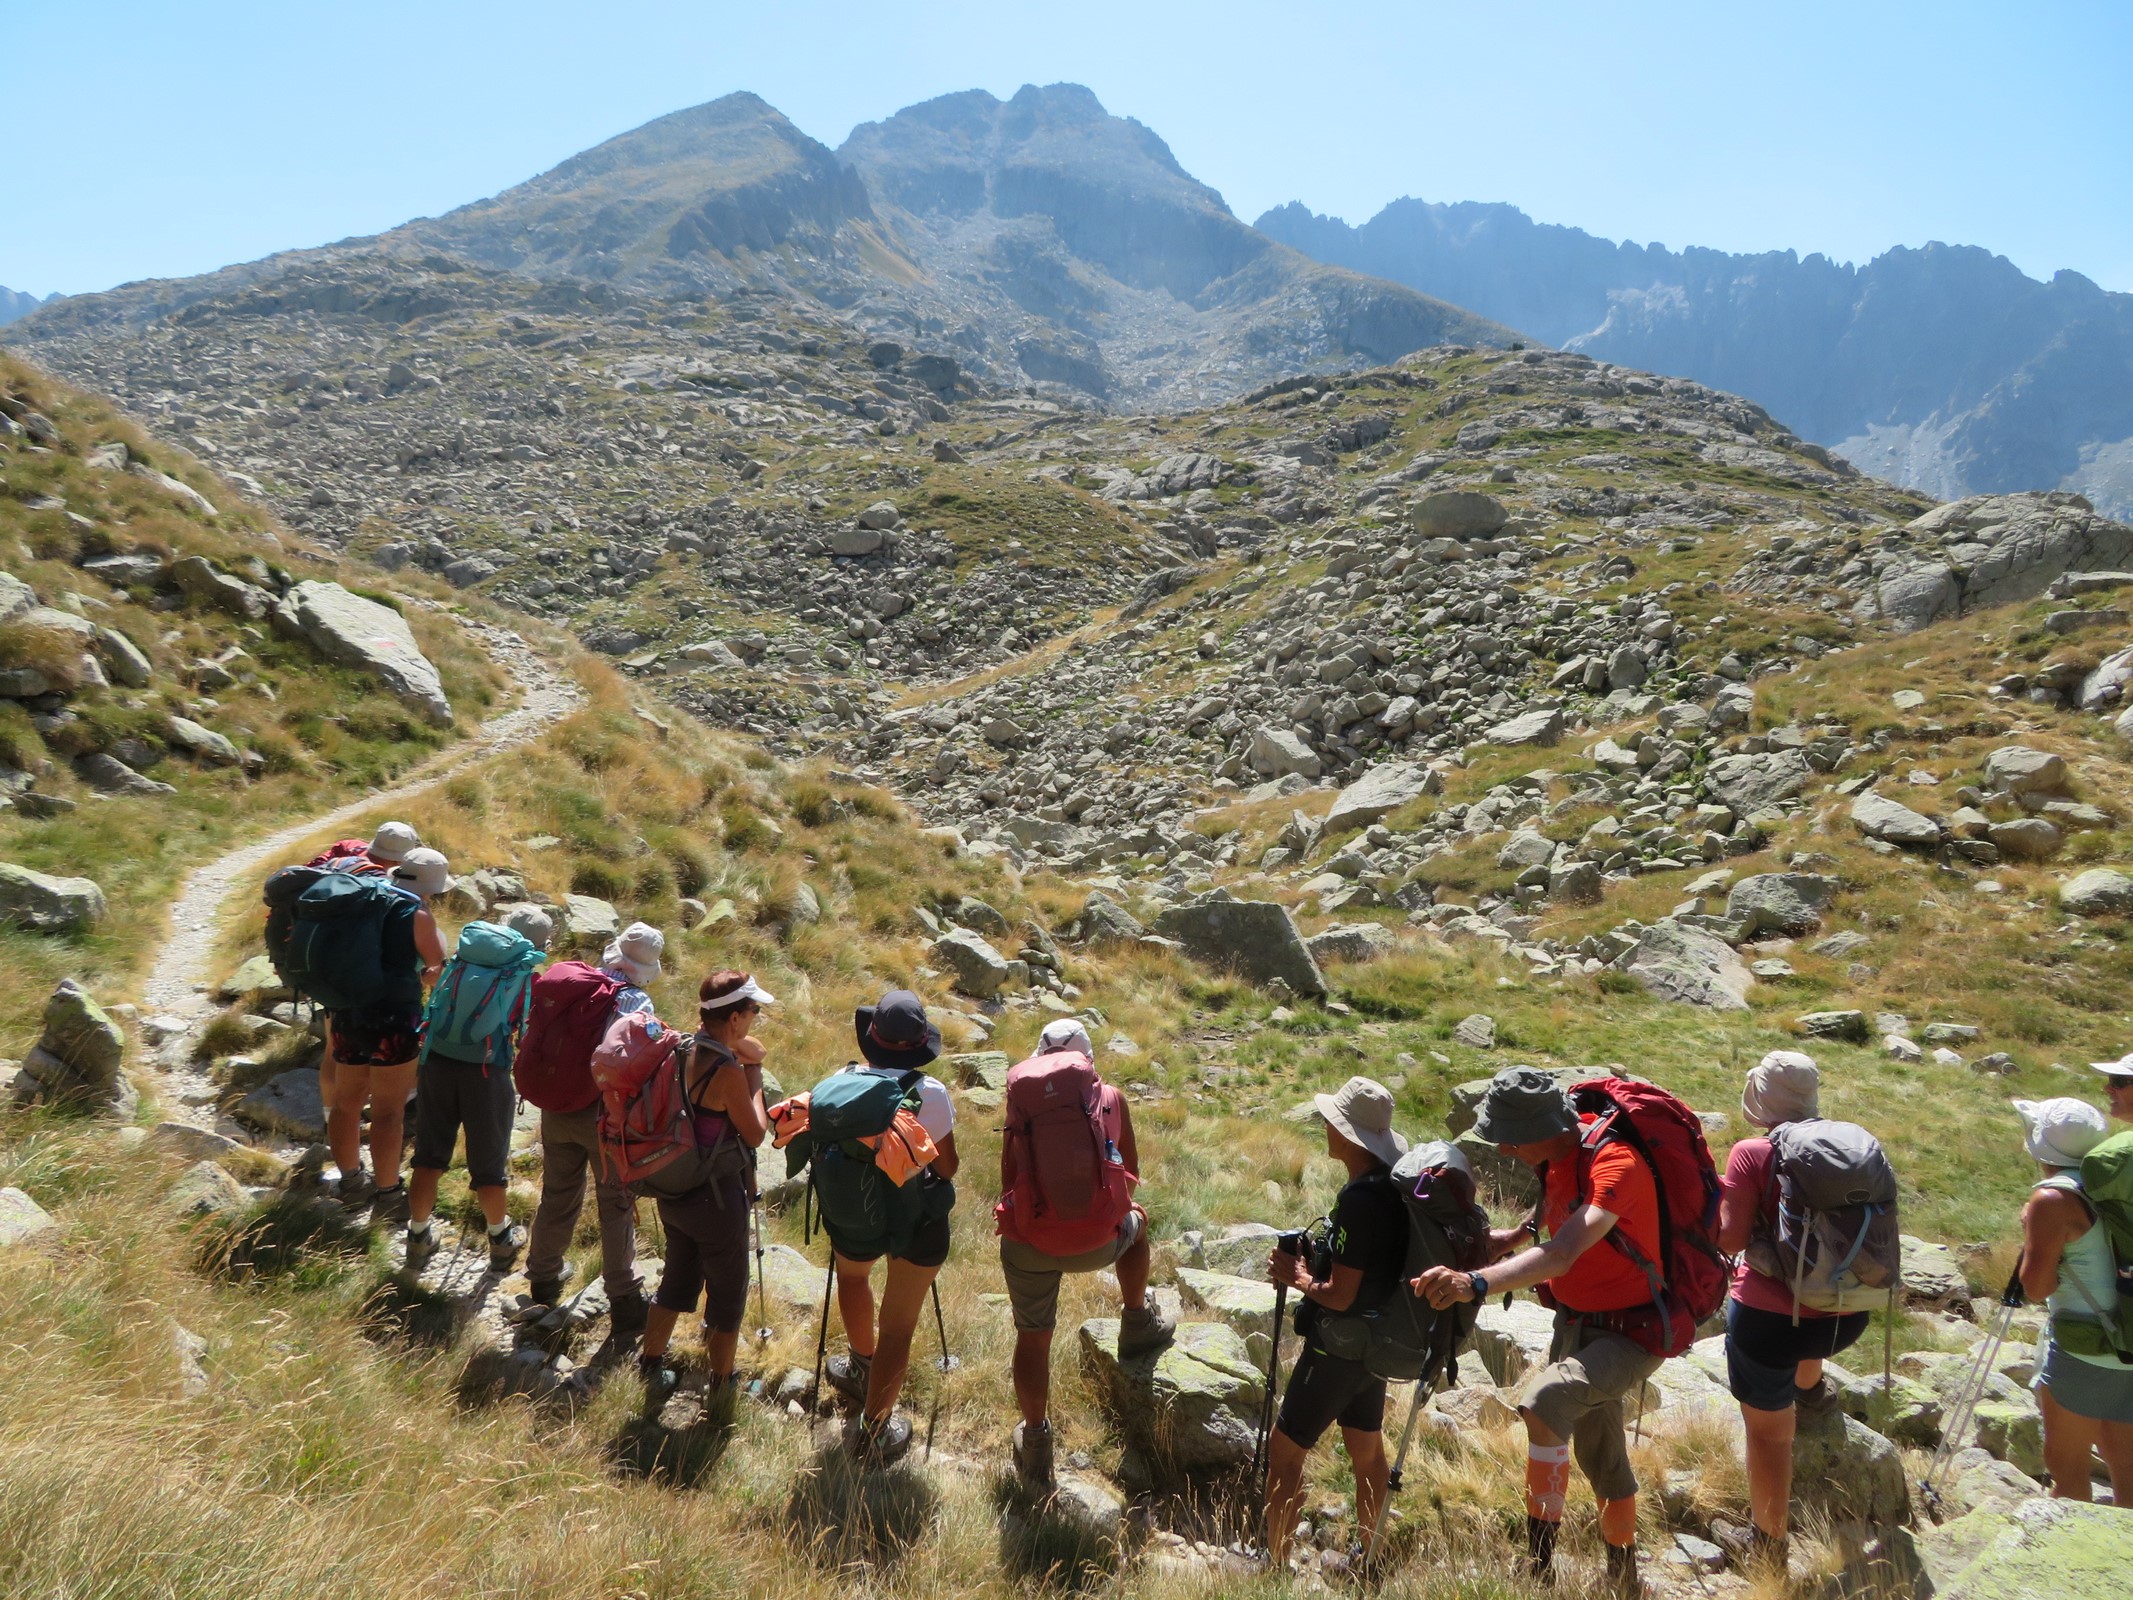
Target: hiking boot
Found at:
849, 1376
504, 1247
626, 1319
660, 1380
1748, 1547
879, 1444
1033, 1455
549, 1291
1819, 1401
356, 1189
421, 1246
1622, 1580
1540, 1550
1144, 1330
389, 1205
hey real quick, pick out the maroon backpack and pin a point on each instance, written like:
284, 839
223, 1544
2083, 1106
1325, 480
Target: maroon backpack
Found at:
567, 1013
1688, 1281
1067, 1189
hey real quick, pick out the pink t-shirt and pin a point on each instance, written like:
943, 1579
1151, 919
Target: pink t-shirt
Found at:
1751, 1169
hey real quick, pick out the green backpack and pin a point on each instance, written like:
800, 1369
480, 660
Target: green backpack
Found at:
864, 1213
2107, 1186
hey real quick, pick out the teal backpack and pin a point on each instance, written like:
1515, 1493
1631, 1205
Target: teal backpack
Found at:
479, 1003
864, 1214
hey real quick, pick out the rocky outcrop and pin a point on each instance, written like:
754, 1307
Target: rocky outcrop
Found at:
2062, 1548
1677, 962
78, 1059
360, 633
1188, 1409
1378, 793
1257, 939
43, 903
1992, 549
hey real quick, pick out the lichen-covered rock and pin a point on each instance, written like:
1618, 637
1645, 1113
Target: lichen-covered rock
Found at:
1257, 939
22, 1219
1188, 1408
77, 1060
1879, 817
2064, 1549
355, 632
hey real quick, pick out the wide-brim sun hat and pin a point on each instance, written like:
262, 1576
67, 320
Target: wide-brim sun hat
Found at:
1065, 1033
636, 952
1785, 1086
423, 872
2060, 1131
1360, 1111
392, 842
1524, 1105
895, 1033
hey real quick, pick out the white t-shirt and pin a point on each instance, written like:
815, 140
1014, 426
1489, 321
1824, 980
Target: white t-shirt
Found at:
936, 1112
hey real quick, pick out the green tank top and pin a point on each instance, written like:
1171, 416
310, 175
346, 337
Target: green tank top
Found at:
2087, 1262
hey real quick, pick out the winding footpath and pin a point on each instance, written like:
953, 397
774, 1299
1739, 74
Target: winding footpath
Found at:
179, 985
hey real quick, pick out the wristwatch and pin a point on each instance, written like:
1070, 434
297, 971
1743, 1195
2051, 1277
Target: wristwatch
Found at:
1480, 1285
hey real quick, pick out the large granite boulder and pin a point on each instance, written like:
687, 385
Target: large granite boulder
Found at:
1780, 902
1543, 729
1378, 793
588, 923
1244, 1305
1746, 784
2064, 1549
42, 903
78, 1058
288, 1104
1257, 939
23, 1219
1989, 550
1459, 514
1105, 921
1890, 821
1277, 752
1189, 1408
978, 969
1352, 941
2098, 892
355, 632
1684, 964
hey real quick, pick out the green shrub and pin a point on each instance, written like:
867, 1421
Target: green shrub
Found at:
595, 877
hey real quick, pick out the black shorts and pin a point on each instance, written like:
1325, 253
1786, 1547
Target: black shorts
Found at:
377, 1036
1324, 1390
928, 1248
450, 1095
707, 1254
1763, 1348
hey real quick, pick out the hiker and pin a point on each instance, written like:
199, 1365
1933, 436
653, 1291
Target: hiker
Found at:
463, 1081
1364, 1254
2118, 1085
707, 1229
1575, 1400
2085, 1392
570, 1008
1082, 1153
373, 1046
1776, 1341
895, 1036
388, 847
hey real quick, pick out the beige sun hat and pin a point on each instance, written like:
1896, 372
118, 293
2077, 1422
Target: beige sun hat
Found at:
392, 842
636, 952
423, 871
1360, 1111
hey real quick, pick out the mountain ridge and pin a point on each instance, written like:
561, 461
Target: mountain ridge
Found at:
1943, 367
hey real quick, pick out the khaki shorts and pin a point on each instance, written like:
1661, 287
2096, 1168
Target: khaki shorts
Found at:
1033, 1277
1579, 1394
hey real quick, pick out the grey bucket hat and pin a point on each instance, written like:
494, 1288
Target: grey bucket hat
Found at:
1524, 1105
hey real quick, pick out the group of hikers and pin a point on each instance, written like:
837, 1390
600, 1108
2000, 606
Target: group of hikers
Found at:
1637, 1241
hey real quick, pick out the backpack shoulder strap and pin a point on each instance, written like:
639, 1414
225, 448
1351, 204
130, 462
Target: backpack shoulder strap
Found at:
2067, 1183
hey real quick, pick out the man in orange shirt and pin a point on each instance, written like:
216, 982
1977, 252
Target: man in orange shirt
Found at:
1588, 1197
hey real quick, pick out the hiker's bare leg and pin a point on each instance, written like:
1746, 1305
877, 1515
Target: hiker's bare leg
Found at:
903, 1301
344, 1115
422, 1195
855, 1304
1033, 1373
1133, 1269
491, 1196
658, 1329
2117, 1448
1284, 1493
388, 1120
719, 1348
1366, 1456
2069, 1441
1807, 1374
1538, 1432
1770, 1436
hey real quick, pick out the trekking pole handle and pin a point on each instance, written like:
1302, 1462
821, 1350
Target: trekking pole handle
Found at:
2012, 1295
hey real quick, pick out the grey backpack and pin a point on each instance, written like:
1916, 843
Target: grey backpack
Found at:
1835, 1245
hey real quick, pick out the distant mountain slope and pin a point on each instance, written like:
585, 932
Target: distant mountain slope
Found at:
14, 304
1040, 241
1945, 367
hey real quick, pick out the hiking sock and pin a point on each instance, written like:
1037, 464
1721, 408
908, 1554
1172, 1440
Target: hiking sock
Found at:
1547, 1484
418, 1228
498, 1229
1618, 1521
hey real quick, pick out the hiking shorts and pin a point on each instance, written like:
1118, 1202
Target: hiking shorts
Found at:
928, 1248
1326, 1389
452, 1094
1033, 1277
377, 1036
1763, 1348
1579, 1396
2100, 1393
707, 1254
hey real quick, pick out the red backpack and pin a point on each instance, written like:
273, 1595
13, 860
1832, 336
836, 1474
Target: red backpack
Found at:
1689, 1280
348, 855
648, 1130
1067, 1188
567, 1013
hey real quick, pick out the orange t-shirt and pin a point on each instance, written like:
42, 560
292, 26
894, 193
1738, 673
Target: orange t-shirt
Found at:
1603, 1278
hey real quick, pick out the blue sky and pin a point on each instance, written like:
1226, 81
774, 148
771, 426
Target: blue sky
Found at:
155, 139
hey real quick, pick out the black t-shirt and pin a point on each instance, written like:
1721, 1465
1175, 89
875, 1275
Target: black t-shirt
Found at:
1368, 1231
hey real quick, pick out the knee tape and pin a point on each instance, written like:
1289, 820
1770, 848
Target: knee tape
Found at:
1547, 1480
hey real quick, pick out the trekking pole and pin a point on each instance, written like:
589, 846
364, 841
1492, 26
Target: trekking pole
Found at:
948, 1364
762, 1289
1262, 1458
829, 1281
1971, 1391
